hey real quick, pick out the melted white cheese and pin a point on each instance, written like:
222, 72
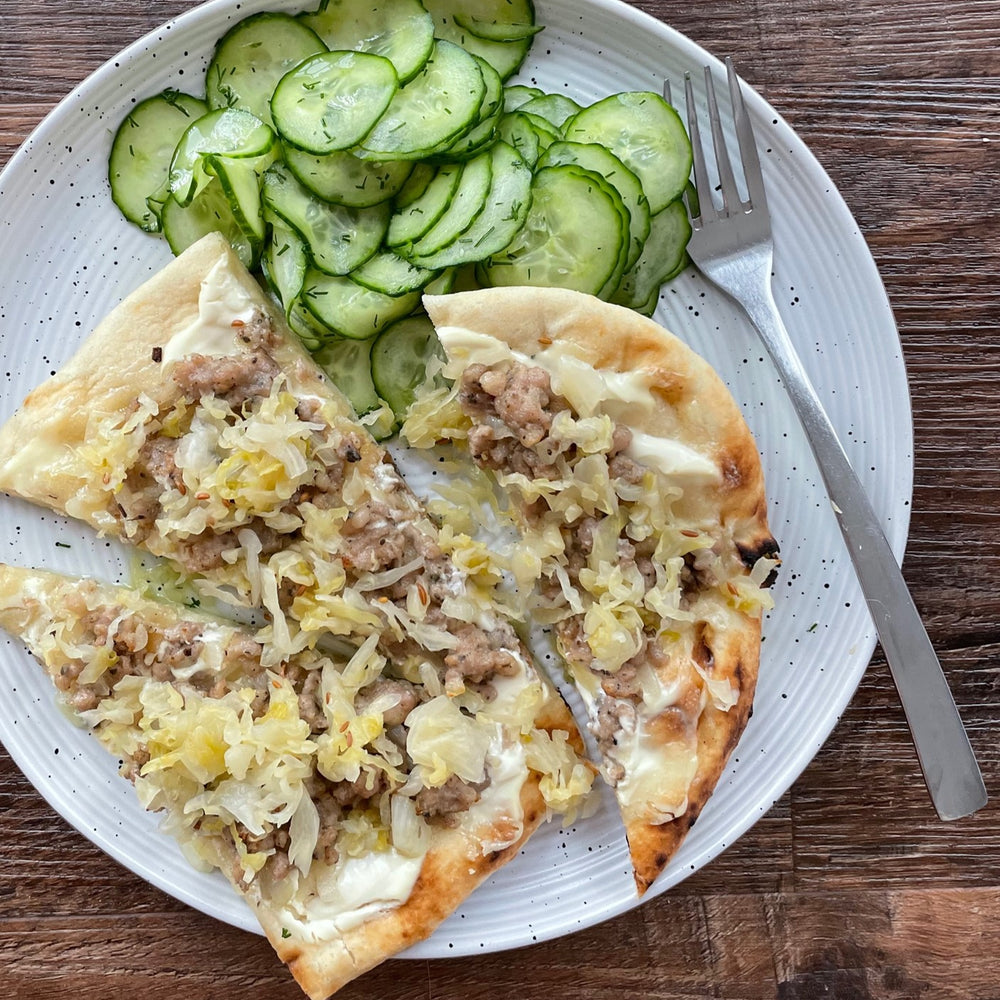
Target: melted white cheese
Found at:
591, 392
361, 888
221, 302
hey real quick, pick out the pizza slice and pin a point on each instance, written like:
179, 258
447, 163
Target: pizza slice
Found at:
353, 810
638, 495
191, 423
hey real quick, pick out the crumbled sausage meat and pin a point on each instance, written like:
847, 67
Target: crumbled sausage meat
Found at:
441, 805
236, 378
613, 716
388, 690
480, 655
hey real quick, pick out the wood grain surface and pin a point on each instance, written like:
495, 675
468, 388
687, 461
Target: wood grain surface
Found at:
850, 887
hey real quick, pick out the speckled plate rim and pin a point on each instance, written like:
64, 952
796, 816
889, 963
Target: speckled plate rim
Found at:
891, 488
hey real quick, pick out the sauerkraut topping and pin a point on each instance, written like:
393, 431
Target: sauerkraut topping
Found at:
292, 774
606, 550
271, 498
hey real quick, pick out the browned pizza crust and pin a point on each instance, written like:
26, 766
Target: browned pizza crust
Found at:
694, 407
34, 603
39, 456
51, 454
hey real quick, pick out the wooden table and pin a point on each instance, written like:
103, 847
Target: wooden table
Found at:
850, 887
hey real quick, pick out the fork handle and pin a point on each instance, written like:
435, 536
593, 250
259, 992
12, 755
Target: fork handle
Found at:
949, 766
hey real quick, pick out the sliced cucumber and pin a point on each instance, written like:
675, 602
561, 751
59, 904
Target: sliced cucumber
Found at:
599, 159
663, 256
400, 30
227, 131
443, 283
516, 130
646, 134
440, 104
307, 327
209, 212
350, 309
483, 133
390, 274
344, 179
496, 31
253, 56
332, 100
467, 202
517, 94
348, 363
399, 360
284, 261
339, 238
408, 224
240, 180
556, 109
503, 214
572, 238
504, 56
141, 151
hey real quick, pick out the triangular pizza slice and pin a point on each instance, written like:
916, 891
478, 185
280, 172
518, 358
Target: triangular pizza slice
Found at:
638, 494
351, 808
192, 424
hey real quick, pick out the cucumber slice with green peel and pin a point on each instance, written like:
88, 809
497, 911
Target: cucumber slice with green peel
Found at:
663, 257
332, 100
400, 30
646, 134
516, 130
483, 133
593, 157
390, 274
227, 131
240, 180
573, 236
443, 283
517, 94
208, 212
416, 184
348, 363
438, 105
141, 153
399, 360
496, 31
350, 309
467, 202
253, 56
503, 214
307, 327
344, 179
408, 224
556, 109
339, 238
504, 56
467, 279
547, 132
284, 261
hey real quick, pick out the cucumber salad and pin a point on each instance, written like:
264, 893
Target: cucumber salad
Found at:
362, 154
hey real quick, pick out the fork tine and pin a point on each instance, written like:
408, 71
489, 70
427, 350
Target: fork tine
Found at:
748, 143
705, 210
727, 180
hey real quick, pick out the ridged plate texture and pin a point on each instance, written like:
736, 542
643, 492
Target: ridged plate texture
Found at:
75, 258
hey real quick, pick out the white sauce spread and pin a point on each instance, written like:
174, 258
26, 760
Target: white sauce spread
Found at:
590, 392
222, 301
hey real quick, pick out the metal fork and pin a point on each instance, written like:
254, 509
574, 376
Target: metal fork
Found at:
732, 246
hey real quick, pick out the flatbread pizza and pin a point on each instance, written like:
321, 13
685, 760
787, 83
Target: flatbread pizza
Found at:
637, 492
192, 425
313, 784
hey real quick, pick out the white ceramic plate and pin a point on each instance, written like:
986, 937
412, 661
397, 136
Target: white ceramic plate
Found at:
75, 258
